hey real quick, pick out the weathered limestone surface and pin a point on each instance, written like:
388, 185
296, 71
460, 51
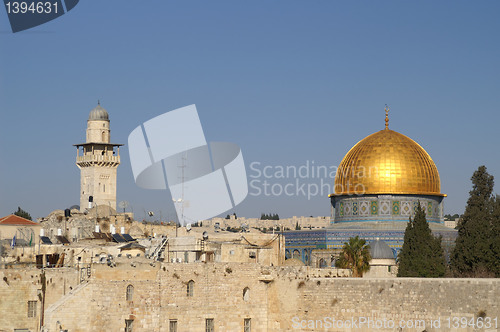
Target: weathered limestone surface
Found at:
279, 299
409, 301
18, 286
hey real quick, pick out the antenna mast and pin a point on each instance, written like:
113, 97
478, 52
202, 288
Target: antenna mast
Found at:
183, 166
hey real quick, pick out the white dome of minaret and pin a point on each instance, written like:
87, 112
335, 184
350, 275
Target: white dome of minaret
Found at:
98, 113
98, 130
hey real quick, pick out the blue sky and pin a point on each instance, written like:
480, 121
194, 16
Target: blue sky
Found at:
289, 81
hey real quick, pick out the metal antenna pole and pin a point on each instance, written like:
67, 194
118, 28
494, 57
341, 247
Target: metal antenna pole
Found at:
183, 178
184, 158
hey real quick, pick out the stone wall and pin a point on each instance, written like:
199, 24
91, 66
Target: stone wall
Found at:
285, 223
409, 301
273, 298
18, 286
160, 295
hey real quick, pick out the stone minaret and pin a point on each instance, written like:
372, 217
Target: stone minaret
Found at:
98, 162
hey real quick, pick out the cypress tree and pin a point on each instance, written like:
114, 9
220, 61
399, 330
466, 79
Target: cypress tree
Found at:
422, 254
476, 252
495, 237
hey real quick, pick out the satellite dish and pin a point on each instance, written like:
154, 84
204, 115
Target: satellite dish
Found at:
188, 227
123, 205
205, 235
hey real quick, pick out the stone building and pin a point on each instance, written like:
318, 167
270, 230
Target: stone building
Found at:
24, 232
261, 249
382, 264
98, 162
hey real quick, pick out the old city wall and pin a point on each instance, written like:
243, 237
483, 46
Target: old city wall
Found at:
278, 299
160, 296
20, 285
311, 303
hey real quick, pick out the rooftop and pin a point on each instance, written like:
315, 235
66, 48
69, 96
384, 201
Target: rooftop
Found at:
16, 220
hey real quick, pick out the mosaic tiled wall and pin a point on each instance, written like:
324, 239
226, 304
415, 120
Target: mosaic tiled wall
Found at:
386, 207
301, 244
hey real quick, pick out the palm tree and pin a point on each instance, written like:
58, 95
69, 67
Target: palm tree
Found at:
355, 256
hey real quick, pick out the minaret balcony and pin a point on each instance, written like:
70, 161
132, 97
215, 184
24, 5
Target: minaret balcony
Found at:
93, 158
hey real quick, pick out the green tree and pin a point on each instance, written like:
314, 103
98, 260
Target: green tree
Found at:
477, 252
451, 217
355, 256
297, 226
495, 237
422, 254
265, 216
23, 214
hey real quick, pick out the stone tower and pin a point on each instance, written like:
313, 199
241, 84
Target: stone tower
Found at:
98, 162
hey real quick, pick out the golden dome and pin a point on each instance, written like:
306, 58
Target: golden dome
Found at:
387, 162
